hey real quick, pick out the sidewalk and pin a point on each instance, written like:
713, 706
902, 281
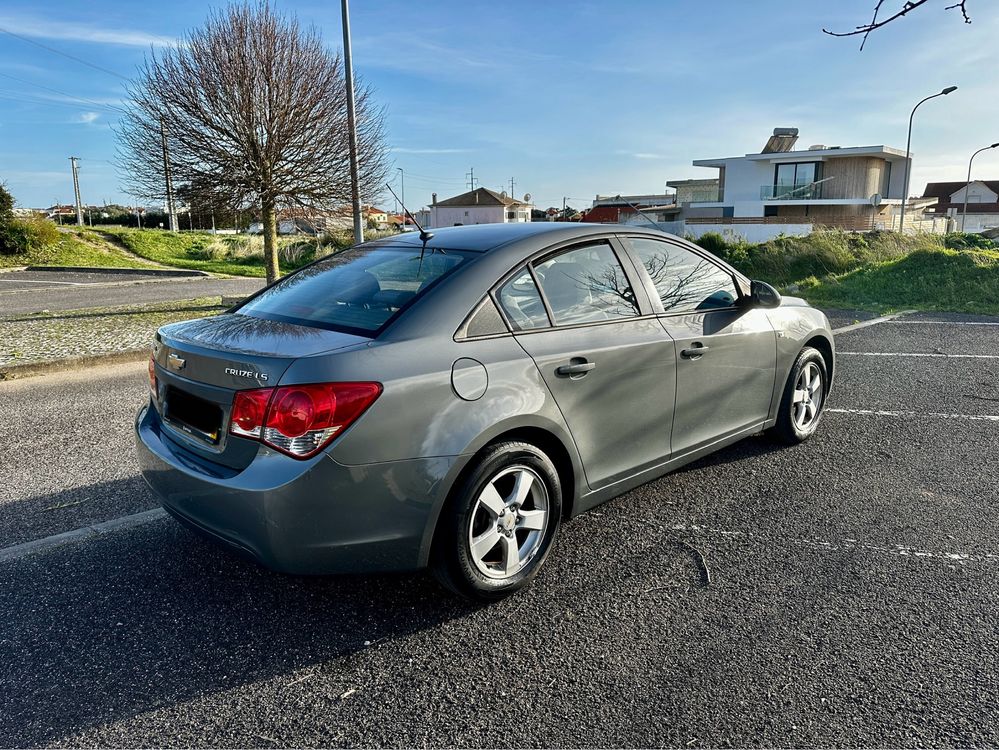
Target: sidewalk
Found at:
34, 343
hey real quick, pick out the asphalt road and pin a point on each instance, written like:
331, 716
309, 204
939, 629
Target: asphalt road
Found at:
852, 600
33, 291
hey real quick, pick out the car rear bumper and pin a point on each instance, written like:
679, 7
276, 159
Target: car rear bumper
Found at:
308, 517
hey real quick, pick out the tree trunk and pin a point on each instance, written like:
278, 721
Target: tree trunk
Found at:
270, 241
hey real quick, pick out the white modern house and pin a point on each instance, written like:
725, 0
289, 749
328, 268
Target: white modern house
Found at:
781, 190
479, 206
983, 203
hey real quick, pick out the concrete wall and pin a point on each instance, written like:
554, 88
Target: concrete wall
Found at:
748, 232
977, 222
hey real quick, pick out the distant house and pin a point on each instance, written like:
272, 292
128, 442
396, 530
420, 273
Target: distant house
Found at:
632, 209
983, 203
479, 206
781, 190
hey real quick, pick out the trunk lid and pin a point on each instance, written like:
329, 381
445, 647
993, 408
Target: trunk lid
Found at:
202, 363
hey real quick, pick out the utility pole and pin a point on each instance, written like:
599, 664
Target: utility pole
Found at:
512, 183
564, 218
348, 72
402, 178
470, 177
76, 190
171, 211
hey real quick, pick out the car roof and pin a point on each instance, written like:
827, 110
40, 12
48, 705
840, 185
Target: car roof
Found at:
481, 238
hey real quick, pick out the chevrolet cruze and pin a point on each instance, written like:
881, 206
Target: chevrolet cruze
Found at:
448, 400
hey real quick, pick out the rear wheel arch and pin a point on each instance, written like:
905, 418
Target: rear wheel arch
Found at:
546, 441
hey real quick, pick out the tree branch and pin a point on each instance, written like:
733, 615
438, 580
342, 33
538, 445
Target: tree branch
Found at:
908, 7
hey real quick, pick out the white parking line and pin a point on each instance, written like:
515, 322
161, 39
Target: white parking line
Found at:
942, 322
914, 414
872, 321
938, 355
76, 535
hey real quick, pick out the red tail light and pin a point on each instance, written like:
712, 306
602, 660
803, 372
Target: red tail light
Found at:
152, 377
300, 420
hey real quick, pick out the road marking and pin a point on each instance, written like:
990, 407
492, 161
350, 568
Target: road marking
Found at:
943, 322
77, 535
937, 355
872, 321
911, 414
34, 281
847, 544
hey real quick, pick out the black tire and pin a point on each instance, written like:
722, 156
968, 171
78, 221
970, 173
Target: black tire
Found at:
787, 429
452, 559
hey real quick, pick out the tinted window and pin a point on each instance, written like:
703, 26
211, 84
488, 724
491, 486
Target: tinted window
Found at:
684, 280
585, 285
358, 290
484, 321
522, 303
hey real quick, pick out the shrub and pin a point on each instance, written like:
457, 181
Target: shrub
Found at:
966, 240
26, 235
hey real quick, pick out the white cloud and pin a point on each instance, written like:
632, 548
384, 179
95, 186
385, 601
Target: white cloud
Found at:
50, 29
86, 118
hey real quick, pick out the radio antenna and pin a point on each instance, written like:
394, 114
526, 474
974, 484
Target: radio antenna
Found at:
637, 210
424, 234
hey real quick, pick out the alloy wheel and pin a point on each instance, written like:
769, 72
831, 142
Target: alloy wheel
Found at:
508, 522
807, 396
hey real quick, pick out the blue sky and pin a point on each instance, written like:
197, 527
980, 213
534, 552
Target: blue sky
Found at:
569, 99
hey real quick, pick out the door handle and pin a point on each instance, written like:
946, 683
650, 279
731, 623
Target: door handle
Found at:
694, 352
575, 368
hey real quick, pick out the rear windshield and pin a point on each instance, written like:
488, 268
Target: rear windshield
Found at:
358, 290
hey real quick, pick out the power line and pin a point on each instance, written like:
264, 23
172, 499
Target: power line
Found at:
90, 102
63, 54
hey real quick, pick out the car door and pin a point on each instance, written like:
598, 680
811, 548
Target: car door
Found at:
726, 353
608, 366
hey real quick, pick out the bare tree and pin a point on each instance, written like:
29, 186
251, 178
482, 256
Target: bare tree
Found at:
878, 20
255, 113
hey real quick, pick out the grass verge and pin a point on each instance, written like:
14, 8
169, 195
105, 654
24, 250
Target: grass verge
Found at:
75, 247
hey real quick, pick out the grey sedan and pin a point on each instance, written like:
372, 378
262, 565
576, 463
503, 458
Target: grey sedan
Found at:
449, 400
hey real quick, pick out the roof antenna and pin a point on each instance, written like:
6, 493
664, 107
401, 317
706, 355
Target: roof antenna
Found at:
425, 236
637, 210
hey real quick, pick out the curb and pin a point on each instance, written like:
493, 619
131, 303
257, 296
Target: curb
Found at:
32, 369
180, 272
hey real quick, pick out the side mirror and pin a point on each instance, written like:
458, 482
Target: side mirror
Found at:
761, 294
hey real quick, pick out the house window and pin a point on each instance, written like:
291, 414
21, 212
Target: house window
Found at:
886, 183
466, 213
511, 215
794, 180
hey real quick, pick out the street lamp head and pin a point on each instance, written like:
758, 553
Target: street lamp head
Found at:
949, 89
994, 145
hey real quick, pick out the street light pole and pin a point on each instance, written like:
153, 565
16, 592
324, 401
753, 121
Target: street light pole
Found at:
964, 211
348, 72
908, 145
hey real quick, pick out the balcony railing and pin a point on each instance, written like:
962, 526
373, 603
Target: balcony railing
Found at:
807, 192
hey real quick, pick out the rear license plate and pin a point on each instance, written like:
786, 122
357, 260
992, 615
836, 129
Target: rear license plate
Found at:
193, 415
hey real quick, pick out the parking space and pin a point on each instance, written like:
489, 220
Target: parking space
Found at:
852, 601
33, 280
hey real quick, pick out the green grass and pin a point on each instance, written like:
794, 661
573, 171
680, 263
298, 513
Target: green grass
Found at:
76, 247
936, 280
191, 250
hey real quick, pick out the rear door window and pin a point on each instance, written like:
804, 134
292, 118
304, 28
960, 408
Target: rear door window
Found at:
358, 290
521, 301
684, 281
586, 284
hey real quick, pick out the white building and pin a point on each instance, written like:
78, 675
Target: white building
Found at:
983, 203
480, 206
786, 191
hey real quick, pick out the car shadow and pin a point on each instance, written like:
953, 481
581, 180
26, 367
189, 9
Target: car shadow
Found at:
110, 628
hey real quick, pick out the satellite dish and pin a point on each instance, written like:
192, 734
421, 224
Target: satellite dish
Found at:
527, 197
876, 200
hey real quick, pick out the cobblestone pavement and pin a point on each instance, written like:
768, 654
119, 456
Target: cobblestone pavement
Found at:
44, 337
